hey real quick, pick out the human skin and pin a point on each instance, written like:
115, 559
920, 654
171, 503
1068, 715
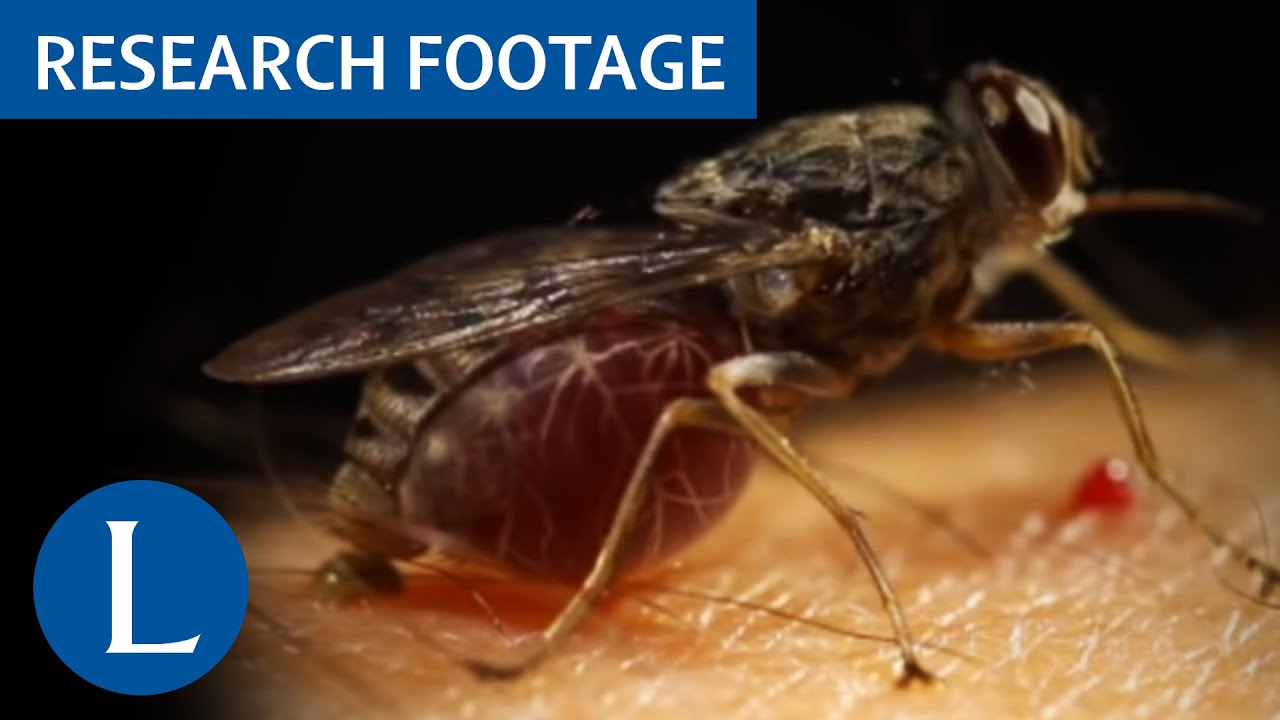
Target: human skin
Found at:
1022, 608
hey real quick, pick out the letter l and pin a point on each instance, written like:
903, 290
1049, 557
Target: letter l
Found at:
122, 597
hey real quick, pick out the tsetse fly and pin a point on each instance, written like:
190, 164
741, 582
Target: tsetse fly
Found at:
582, 401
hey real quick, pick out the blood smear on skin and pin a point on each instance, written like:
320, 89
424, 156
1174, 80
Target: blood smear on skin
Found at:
1106, 486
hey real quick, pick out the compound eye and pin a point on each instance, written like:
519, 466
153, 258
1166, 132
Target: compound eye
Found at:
1024, 131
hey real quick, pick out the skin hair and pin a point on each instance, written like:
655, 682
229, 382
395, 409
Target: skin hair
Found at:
1057, 616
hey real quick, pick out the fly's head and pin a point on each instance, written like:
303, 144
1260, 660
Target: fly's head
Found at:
916, 195
1035, 154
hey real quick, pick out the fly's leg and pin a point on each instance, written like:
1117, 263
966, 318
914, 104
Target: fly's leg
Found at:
684, 412
351, 574
1129, 338
803, 373
997, 342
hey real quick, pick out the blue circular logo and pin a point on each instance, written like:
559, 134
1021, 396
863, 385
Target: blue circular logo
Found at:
141, 587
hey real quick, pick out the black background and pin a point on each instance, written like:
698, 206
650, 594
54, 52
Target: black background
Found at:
180, 236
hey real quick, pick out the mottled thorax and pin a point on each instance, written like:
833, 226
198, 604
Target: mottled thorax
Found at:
889, 180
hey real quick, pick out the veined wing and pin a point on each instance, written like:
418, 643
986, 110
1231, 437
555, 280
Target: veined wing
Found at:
494, 286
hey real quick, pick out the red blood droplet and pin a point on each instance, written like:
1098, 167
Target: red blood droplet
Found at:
1107, 486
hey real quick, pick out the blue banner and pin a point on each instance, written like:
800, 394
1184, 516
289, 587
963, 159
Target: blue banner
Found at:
430, 59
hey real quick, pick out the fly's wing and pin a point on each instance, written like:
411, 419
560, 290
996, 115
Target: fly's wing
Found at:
522, 280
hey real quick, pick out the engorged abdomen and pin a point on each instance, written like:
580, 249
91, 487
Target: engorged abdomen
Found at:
526, 466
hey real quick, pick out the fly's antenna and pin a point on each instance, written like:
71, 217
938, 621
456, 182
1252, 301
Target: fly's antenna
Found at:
1117, 201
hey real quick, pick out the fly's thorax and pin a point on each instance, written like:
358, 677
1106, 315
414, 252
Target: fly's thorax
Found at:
868, 168
863, 311
888, 181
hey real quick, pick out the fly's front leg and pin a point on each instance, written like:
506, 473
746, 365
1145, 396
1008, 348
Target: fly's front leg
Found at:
809, 376
997, 342
1132, 340
685, 412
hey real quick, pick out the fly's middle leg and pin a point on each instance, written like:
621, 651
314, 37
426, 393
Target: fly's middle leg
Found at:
683, 412
728, 412
809, 376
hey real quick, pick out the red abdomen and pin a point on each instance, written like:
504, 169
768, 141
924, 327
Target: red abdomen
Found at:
526, 466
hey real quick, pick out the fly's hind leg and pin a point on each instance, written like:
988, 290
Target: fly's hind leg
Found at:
351, 574
996, 342
684, 412
809, 376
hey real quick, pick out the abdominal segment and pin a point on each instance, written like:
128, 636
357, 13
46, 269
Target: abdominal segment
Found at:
526, 467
